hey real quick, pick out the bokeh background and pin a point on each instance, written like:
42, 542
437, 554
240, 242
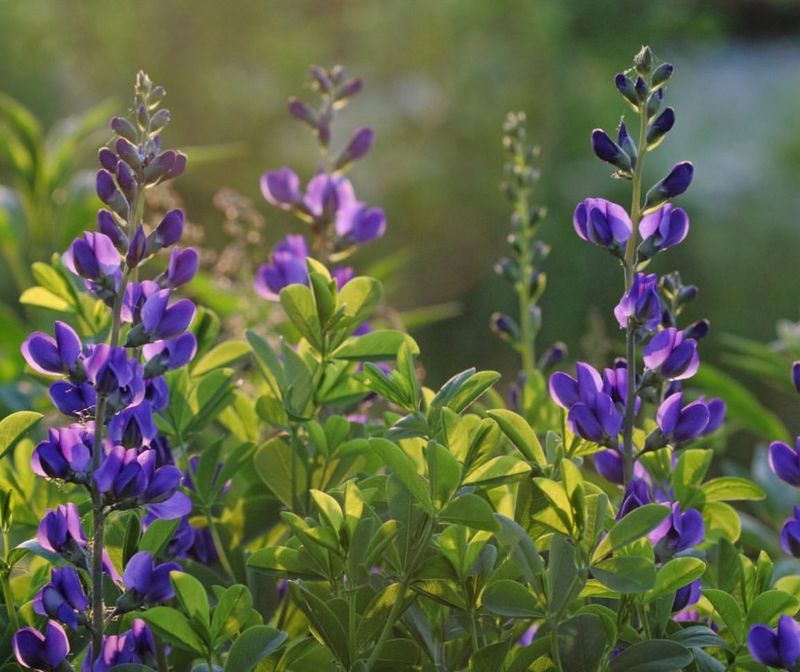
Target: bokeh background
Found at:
440, 76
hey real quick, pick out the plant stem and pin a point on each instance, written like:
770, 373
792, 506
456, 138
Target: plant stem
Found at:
98, 519
630, 270
223, 556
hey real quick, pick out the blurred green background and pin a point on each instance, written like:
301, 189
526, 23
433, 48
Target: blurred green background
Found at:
440, 76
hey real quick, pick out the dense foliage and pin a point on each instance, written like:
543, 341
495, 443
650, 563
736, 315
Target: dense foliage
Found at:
297, 499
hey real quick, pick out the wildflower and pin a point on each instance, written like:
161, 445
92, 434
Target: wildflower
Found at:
53, 356
38, 651
94, 258
287, 267
133, 427
146, 582
65, 454
680, 531
609, 151
161, 319
182, 267
135, 646
359, 224
785, 461
679, 423
61, 532
281, 188
602, 222
790, 534
640, 303
163, 356
777, 648
63, 598
670, 354
664, 228
687, 595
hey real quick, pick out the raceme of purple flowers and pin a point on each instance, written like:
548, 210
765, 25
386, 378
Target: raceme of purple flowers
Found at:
136, 468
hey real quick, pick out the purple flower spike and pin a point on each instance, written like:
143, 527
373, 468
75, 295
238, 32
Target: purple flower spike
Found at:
281, 188
183, 265
53, 356
666, 227
63, 598
602, 222
673, 356
38, 651
785, 461
149, 581
360, 224
680, 424
790, 534
65, 454
641, 303
287, 267
779, 648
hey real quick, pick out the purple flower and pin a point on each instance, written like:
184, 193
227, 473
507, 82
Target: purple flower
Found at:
136, 646
680, 531
776, 648
281, 188
592, 413
666, 227
636, 494
615, 385
53, 356
687, 595
660, 126
640, 303
183, 538
796, 376
602, 222
136, 293
287, 267
161, 319
670, 354
61, 531
65, 454
327, 194
674, 184
133, 427
182, 267
785, 461
357, 148
107, 225
716, 415
38, 651
790, 534
360, 224
113, 374
148, 582
168, 232
137, 249
162, 356
609, 464
156, 392
679, 423
77, 400
94, 258
63, 598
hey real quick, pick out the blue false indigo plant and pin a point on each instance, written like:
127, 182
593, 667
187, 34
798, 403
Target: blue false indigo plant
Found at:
301, 499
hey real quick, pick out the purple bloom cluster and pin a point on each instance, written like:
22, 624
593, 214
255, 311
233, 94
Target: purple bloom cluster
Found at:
113, 390
328, 205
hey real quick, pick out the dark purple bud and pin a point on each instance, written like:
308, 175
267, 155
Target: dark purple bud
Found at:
129, 153
698, 330
779, 648
641, 303
654, 102
627, 143
168, 232
137, 249
160, 119
796, 376
626, 87
637, 494
108, 226
661, 75
785, 461
323, 128
609, 464
602, 222
359, 145
299, 110
178, 166
687, 595
674, 184
287, 266
125, 179
643, 61
504, 326
660, 126
38, 651
321, 78
124, 128
105, 185
107, 159
641, 89
349, 89
609, 151
554, 354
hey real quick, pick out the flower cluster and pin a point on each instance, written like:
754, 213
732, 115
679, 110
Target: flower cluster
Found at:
112, 389
328, 205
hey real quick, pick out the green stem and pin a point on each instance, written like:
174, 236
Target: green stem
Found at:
630, 270
527, 343
223, 556
8, 598
98, 519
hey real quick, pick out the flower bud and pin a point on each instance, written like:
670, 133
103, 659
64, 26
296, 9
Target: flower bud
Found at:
626, 87
300, 111
654, 103
349, 89
108, 226
642, 90
641, 303
125, 179
128, 153
674, 184
625, 141
660, 127
609, 151
107, 159
159, 120
507, 269
796, 376
137, 248
124, 128
661, 75
359, 145
643, 61
505, 326
698, 330
321, 78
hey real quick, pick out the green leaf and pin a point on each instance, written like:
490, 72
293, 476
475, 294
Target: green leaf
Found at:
497, 471
581, 643
330, 509
626, 574
13, 427
273, 464
376, 346
323, 620
403, 468
282, 560
729, 610
654, 655
227, 353
234, 608
633, 526
510, 599
471, 510
517, 542
191, 595
44, 298
732, 488
562, 574
173, 627
298, 302
157, 535
768, 606
689, 473
520, 433
677, 573
360, 297
252, 646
